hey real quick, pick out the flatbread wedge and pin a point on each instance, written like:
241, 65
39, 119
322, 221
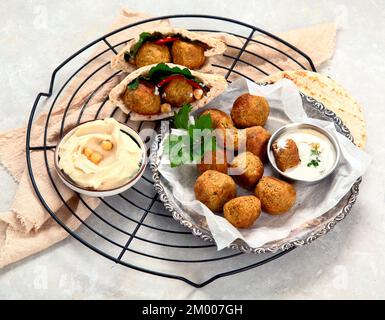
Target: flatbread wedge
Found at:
214, 82
214, 46
332, 95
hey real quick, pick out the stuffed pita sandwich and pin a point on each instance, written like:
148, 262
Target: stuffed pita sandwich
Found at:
157, 91
168, 45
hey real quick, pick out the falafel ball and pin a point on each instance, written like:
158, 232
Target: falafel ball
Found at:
178, 92
247, 169
256, 141
231, 139
227, 138
276, 196
286, 154
225, 131
213, 160
188, 54
214, 189
143, 99
250, 110
219, 119
152, 53
242, 212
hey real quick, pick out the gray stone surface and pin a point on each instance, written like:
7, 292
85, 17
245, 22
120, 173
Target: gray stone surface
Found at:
35, 36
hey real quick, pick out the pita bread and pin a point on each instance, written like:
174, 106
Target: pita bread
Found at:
215, 46
332, 95
216, 83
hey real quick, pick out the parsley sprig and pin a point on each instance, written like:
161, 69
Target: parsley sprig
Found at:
314, 163
314, 152
195, 143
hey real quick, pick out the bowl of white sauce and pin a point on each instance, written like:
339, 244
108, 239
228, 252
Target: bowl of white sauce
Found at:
317, 150
100, 158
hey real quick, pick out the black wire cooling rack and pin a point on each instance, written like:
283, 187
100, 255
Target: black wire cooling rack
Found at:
133, 228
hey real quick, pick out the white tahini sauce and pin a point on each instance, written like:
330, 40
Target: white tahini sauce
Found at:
315, 150
281, 143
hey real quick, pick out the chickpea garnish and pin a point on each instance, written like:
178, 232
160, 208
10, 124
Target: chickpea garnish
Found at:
198, 94
87, 152
165, 107
107, 145
96, 157
92, 155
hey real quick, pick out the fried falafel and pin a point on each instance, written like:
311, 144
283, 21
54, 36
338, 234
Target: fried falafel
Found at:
152, 53
189, 54
247, 169
256, 141
242, 212
214, 160
178, 92
286, 155
276, 196
249, 110
219, 119
225, 131
143, 99
214, 189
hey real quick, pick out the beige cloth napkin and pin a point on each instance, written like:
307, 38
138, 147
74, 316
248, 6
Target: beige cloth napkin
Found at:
27, 227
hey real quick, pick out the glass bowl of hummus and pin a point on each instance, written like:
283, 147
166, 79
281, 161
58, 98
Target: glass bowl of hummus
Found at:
303, 152
100, 158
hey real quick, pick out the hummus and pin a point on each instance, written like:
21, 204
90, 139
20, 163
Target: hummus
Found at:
116, 165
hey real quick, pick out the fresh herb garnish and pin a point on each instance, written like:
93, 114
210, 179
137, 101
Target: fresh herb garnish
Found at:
314, 152
181, 118
162, 70
197, 141
314, 162
133, 85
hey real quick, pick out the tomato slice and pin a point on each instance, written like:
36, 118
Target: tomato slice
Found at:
194, 84
165, 40
168, 79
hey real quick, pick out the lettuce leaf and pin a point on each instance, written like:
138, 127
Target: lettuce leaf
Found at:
143, 37
162, 71
133, 85
166, 70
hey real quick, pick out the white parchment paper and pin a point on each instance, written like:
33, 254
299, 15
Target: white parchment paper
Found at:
312, 201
